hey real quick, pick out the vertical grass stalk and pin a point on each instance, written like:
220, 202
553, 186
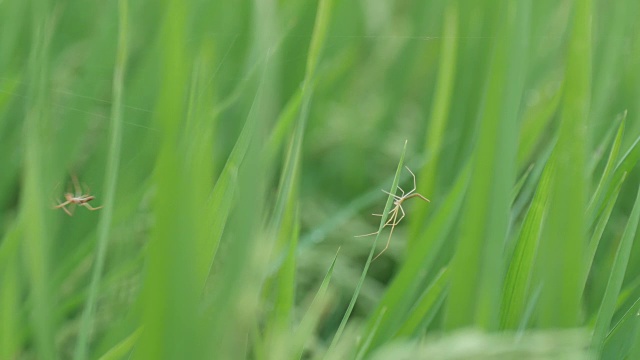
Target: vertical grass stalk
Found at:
113, 163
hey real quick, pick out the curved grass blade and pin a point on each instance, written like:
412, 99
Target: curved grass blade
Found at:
608, 306
313, 313
221, 197
426, 306
623, 337
517, 285
123, 348
599, 230
598, 196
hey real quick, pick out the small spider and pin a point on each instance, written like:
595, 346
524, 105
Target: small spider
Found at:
393, 214
76, 199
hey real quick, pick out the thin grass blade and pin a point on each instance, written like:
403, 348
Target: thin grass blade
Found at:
609, 303
383, 220
113, 164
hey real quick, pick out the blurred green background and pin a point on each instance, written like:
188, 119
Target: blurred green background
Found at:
238, 148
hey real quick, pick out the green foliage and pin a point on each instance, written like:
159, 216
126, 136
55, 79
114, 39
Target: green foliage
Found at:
237, 146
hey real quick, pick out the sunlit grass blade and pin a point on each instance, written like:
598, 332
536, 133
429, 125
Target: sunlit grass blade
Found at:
171, 292
619, 268
518, 281
111, 175
475, 301
563, 246
383, 220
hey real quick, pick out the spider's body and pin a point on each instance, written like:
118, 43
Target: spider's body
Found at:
78, 198
393, 214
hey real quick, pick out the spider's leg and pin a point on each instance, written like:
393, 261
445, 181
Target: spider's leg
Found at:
399, 188
393, 212
394, 196
65, 210
363, 235
401, 217
416, 195
414, 181
62, 205
388, 239
91, 207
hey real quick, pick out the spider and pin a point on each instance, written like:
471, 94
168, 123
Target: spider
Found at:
76, 199
393, 217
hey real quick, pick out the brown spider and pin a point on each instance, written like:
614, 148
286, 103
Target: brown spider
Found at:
76, 199
393, 214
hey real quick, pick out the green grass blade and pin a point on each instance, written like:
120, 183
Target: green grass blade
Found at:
625, 165
123, 348
426, 305
222, 195
535, 123
286, 201
604, 144
598, 196
520, 184
113, 164
365, 344
599, 230
383, 220
37, 241
11, 308
439, 115
283, 125
609, 303
517, 285
624, 335
485, 219
563, 247
311, 317
171, 290
408, 283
